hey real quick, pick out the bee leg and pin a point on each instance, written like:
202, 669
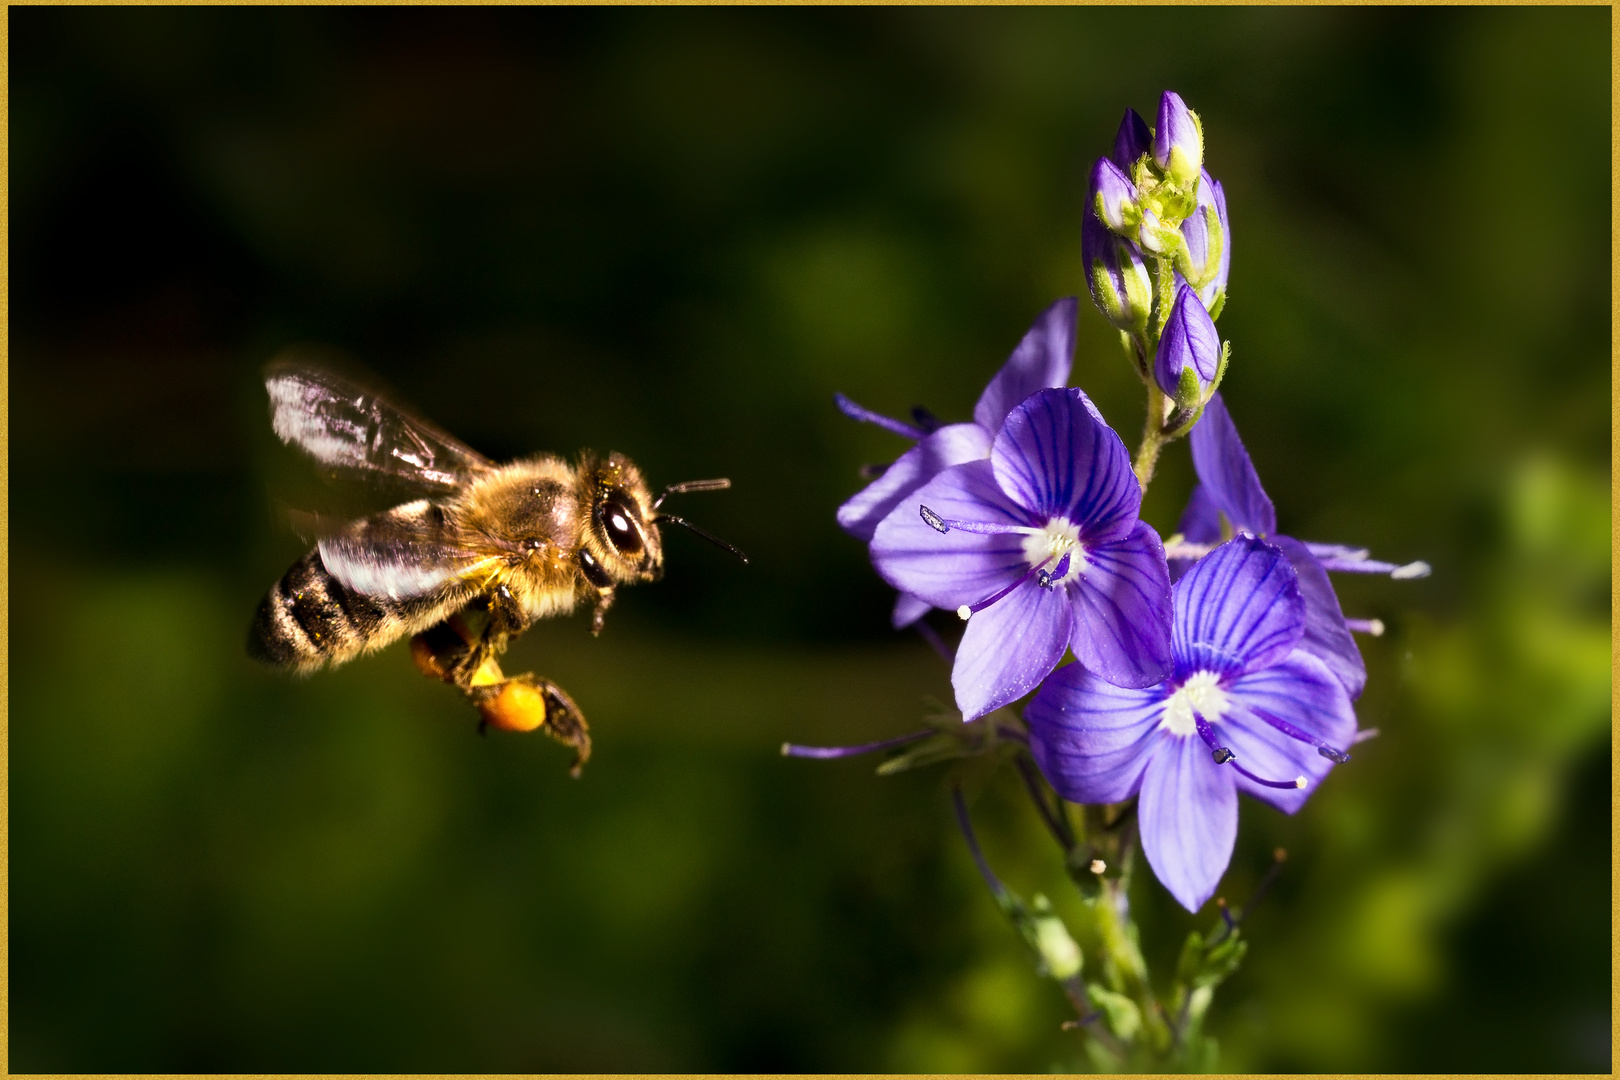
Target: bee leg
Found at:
478, 666
603, 602
526, 702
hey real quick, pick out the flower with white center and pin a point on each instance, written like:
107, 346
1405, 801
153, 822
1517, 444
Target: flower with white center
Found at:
1244, 709
1039, 547
1042, 359
1229, 491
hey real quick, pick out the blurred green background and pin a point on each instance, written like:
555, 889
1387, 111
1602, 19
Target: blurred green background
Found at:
676, 233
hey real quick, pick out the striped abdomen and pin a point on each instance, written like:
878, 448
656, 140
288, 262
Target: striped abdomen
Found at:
309, 618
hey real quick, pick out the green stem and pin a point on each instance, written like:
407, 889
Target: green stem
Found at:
1147, 455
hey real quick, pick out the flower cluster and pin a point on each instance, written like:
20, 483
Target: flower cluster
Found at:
1239, 676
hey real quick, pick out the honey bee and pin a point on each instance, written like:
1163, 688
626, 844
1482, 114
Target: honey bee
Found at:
489, 550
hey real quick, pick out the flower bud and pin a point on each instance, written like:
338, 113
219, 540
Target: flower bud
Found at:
1189, 352
1134, 140
1206, 254
1156, 237
1119, 281
1178, 144
1113, 197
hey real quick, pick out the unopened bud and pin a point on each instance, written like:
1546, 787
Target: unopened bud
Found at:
1058, 951
1119, 281
1189, 352
1134, 140
1205, 258
1112, 197
1178, 142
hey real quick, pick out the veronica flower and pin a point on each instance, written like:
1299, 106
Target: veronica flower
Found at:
1244, 709
1040, 549
1042, 359
1229, 488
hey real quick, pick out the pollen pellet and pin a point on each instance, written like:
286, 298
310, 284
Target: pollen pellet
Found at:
518, 707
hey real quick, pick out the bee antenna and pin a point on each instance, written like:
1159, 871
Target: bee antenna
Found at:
710, 537
692, 485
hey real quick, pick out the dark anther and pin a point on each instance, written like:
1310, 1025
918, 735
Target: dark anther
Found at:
872, 472
935, 522
1222, 755
925, 419
1338, 757
1043, 579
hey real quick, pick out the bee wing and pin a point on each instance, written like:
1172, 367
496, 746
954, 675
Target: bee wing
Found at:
351, 429
407, 552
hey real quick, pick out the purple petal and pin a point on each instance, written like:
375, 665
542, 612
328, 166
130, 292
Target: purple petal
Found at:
1056, 458
1200, 524
1326, 636
1225, 469
1009, 647
1188, 816
1122, 610
955, 568
1090, 738
1237, 609
1041, 360
950, 445
908, 609
1299, 691
1134, 140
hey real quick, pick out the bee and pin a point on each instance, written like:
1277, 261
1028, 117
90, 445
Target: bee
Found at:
488, 550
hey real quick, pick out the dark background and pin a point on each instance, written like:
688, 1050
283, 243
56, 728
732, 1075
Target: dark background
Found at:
675, 233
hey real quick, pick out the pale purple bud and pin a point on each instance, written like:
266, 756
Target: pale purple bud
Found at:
1206, 257
1189, 343
1112, 197
1118, 279
1178, 143
1134, 140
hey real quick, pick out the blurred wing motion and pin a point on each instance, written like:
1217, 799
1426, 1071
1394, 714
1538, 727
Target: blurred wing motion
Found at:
353, 430
412, 550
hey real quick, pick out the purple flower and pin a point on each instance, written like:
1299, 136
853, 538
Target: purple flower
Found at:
1042, 359
1178, 141
1229, 488
1206, 256
1119, 281
1040, 549
1189, 355
1112, 197
1244, 709
1134, 140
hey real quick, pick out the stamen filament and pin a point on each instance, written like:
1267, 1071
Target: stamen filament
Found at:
867, 416
978, 528
1332, 753
825, 752
1223, 756
1045, 580
967, 610
1370, 627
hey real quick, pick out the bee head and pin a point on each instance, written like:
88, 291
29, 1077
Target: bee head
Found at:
620, 544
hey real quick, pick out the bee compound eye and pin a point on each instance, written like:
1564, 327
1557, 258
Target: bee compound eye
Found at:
618, 522
593, 571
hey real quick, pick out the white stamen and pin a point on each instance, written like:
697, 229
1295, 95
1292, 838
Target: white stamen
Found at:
1299, 781
1058, 538
1419, 569
1098, 866
1363, 735
1201, 693
964, 612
